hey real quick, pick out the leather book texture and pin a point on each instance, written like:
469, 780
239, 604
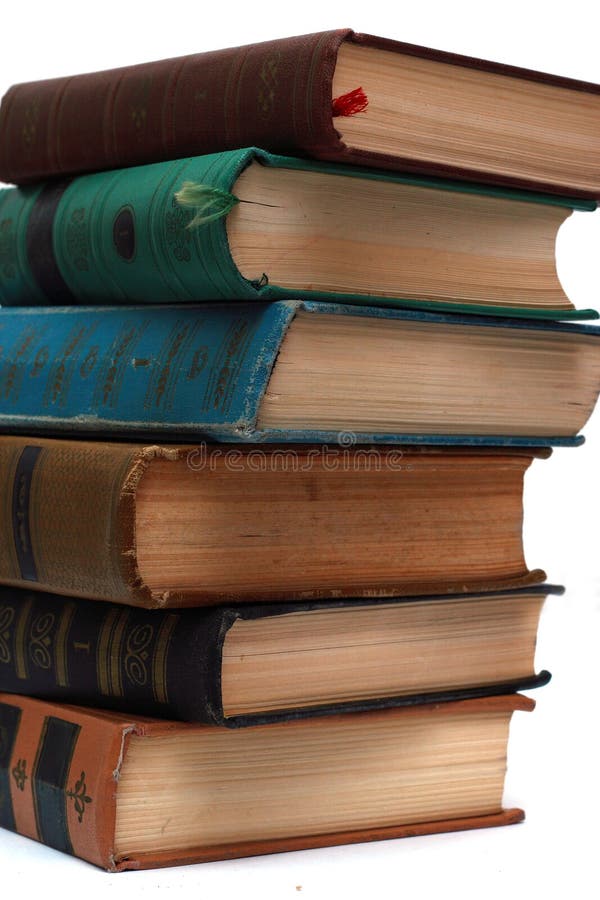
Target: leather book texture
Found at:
277, 94
164, 664
121, 237
59, 780
69, 512
187, 373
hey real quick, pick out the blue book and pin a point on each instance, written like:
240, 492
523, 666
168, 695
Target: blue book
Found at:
295, 371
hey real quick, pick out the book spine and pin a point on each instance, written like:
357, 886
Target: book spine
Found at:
275, 94
168, 370
119, 237
154, 663
58, 772
67, 516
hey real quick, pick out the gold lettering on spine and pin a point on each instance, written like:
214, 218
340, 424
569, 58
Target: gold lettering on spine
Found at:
7, 615
60, 650
34, 770
115, 656
108, 658
102, 653
9, 561
20, 639
159, 664
268, 85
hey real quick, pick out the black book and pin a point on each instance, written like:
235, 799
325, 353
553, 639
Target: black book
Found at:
252, 664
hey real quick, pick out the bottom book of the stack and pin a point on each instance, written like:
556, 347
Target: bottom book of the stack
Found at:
130, 793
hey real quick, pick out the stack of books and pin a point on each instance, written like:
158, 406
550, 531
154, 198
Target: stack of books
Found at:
265, 424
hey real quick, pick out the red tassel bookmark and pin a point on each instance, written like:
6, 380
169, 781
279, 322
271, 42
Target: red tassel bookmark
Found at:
349, 104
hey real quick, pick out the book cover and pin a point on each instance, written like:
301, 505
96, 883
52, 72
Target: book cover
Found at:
124, 237
281, 95
164, 527
64, 769
202, 373
171, 664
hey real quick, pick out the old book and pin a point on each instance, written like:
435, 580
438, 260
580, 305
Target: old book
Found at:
333, 95
246, 225
187, 526
295, 371
85, 782
248, 665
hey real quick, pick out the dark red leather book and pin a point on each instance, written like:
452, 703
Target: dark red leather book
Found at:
335, 95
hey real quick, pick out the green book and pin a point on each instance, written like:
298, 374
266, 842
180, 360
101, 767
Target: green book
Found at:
247, 225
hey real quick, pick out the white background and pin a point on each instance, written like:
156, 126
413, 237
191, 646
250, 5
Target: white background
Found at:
554, 752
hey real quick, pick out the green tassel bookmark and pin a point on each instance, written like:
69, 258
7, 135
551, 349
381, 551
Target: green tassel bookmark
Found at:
209, 203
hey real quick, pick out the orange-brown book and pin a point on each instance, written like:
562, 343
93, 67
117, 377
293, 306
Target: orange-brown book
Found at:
128, 794
190, 526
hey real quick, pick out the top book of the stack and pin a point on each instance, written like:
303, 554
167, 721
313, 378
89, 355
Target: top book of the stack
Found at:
336, 95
